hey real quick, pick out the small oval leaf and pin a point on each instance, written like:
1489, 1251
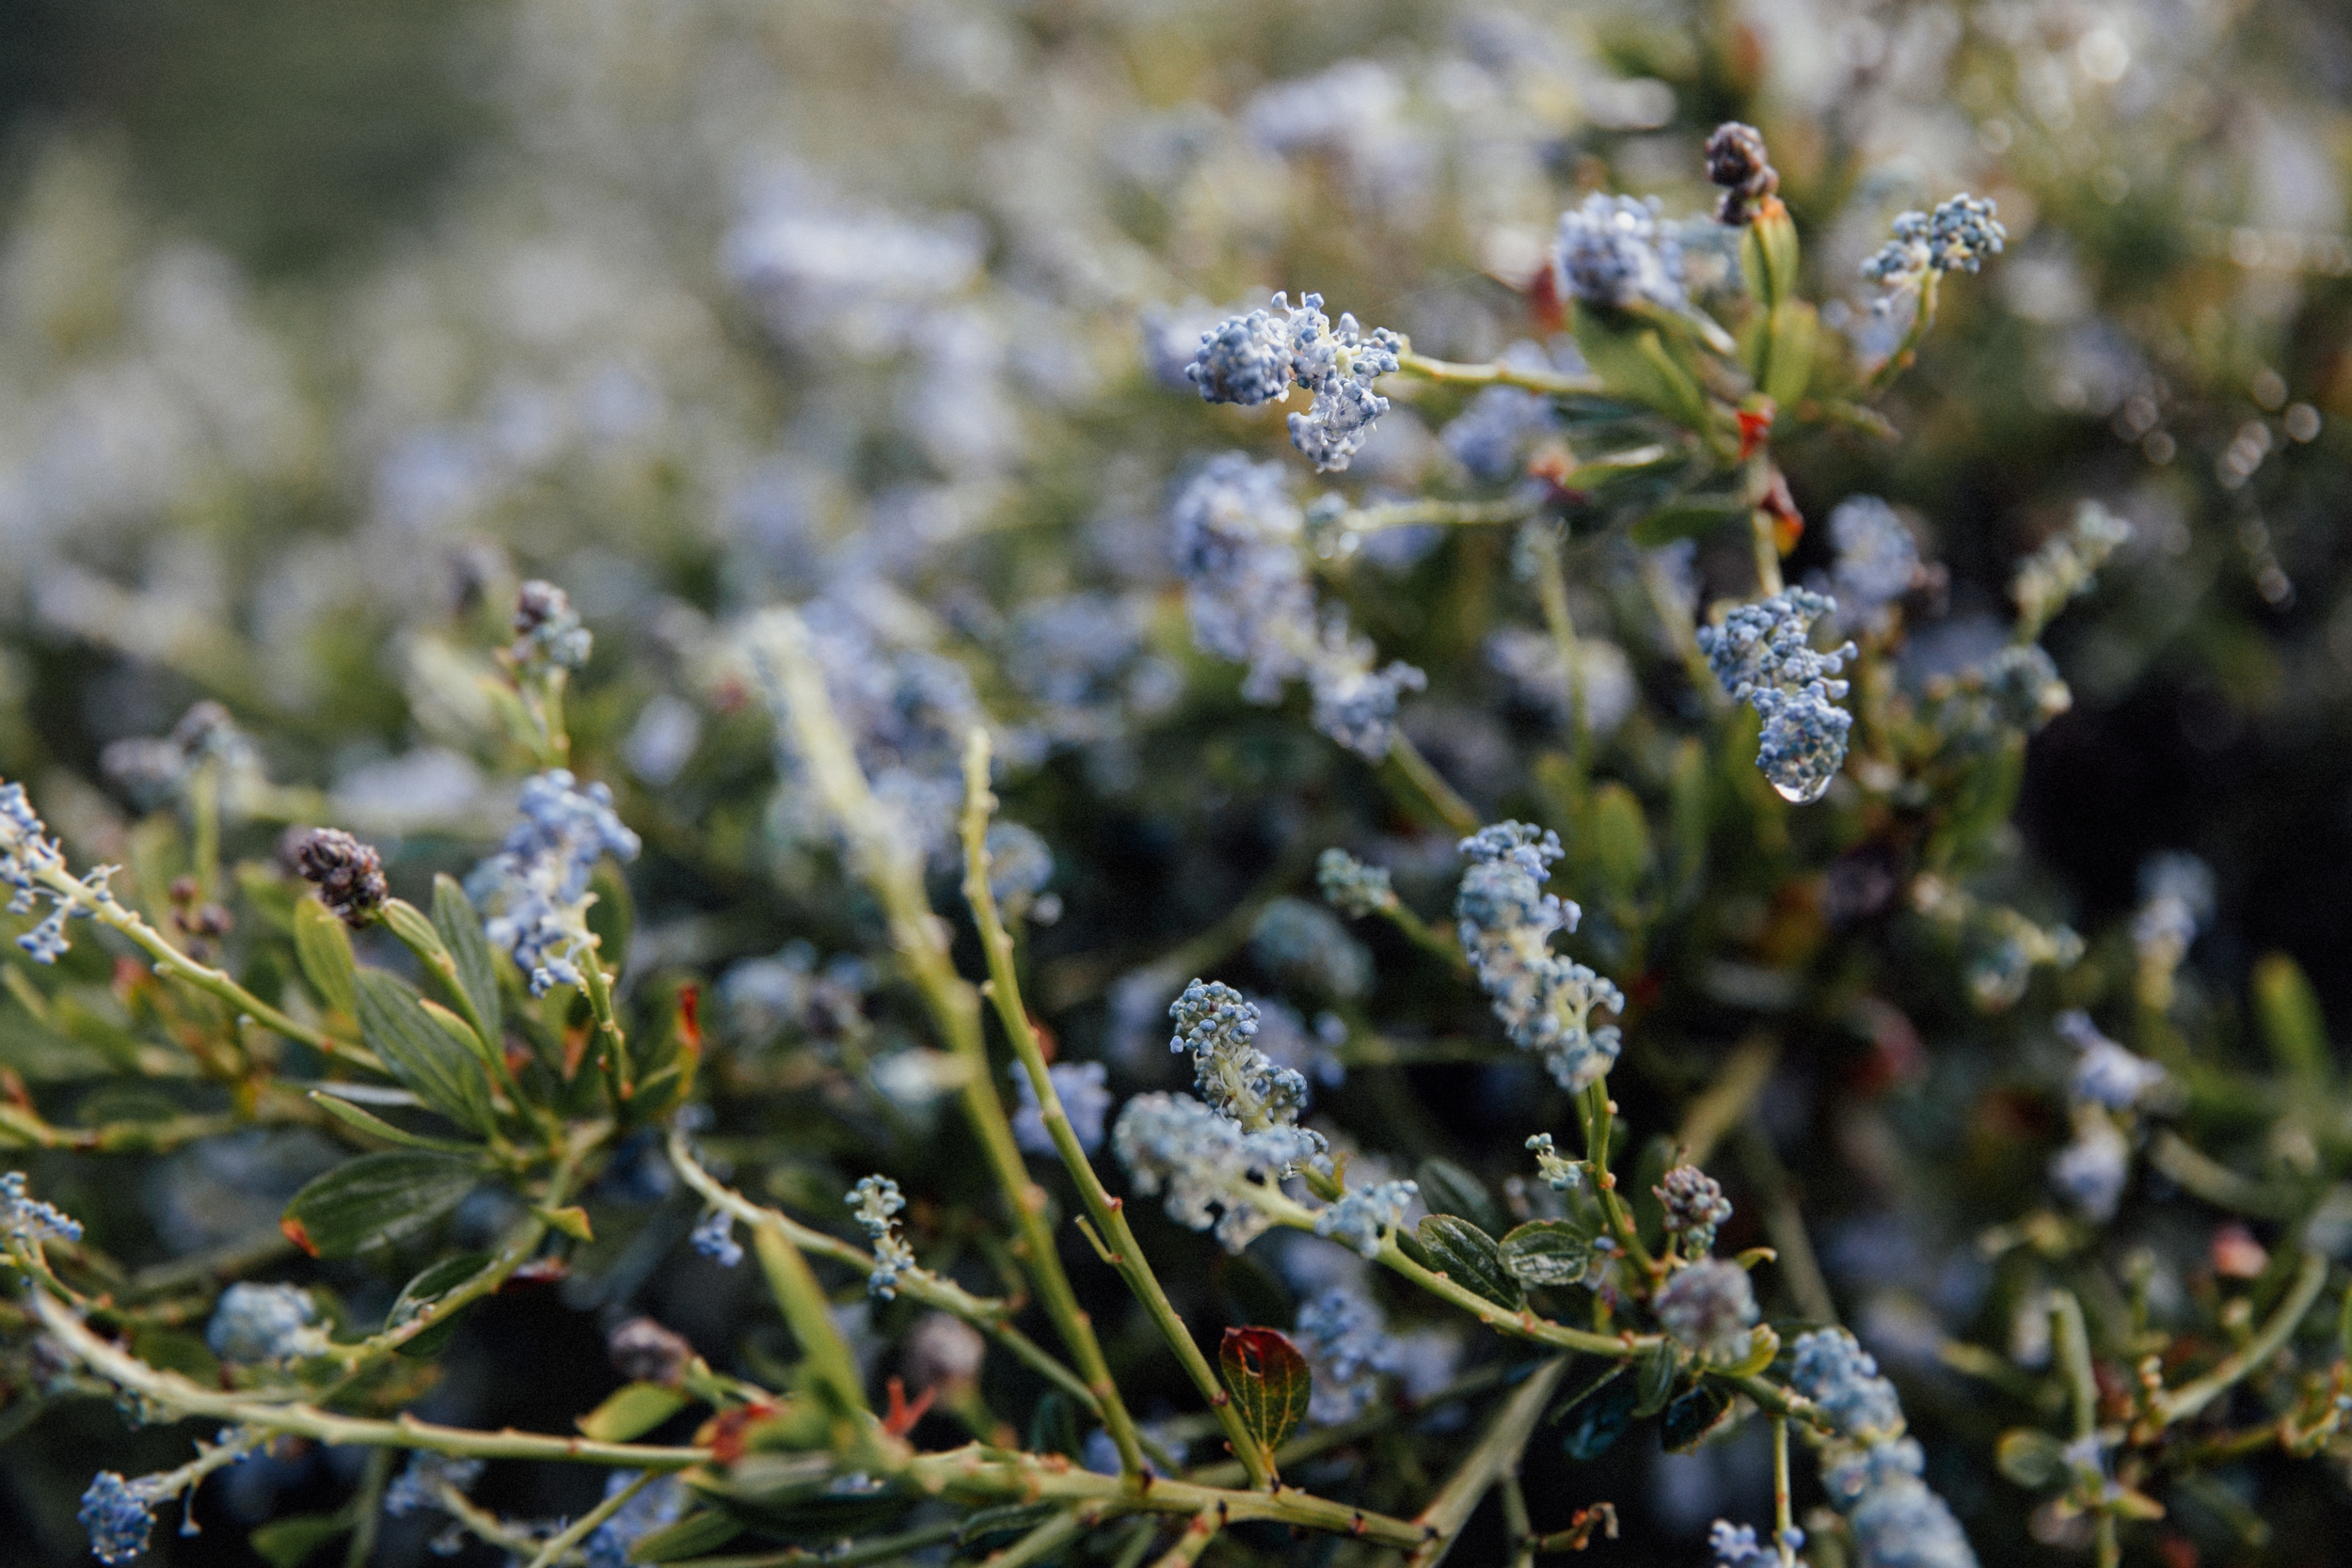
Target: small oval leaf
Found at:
1602, 1420
460, 930
377, 1197
1654, 1375
632, 1411
2034, 1460
1692, 1418
1446, 1188
421, 1053
1268, 1380
696, 1535
1469, 1257
1547, 1252
323, 948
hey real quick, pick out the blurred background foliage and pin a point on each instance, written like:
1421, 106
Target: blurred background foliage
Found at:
323, 323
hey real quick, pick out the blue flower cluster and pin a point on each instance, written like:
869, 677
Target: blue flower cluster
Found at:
1206, 1163
2106, 1075
1086, 1099
1872, 1472
1490, 437
26, 853
255, 1323
2176, 894
1220, 1026
1352, 887
1736, 1547
27, 1221
657, 1507
1020, 865
1708, 1306
536, 885
1878, 560
1545, 1001
1349, 1347
1612, 252
1361, 1217
2067, 565
875, 1202
1237, 536
419, 1485
2108, 1084
1306, 944
1252, 359
1760, 656
1559, 1175
548, 633
1956, 237
119, 1514
714, 1238
1694, 1205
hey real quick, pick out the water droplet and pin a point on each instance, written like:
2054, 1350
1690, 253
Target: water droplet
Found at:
1804, 793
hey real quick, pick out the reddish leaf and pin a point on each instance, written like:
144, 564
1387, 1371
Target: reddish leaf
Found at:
1269, 1381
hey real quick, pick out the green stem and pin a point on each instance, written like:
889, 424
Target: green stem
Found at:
1124, 1254
1520, 1324
580, 1529
886, 857
108, 910
272, 1414
1783, 1515
1430, 785
881, 1547
991, 1315
616, 1058
1498, 1450
1452, 374
2179, 1405
367, 1509
1599, 1113
1194, 1540
802, 1301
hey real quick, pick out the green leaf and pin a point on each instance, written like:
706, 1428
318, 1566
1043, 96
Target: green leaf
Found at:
1769, 255
2034, 1460
376, 1197
421, 1053
1620, 839
1268, 1380
1694, 1417
1654, 1375
1634, 364
460, 929
1687, 517
1469, 1257
696, 1535
289, 1543
376, 1126
2292, 1023
434, 1282
1547, 1252
323, 948
1054, 1426
1007, 1519
633, 1410
1791, 331
1448, 1189
1602, 1418
176, 1350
